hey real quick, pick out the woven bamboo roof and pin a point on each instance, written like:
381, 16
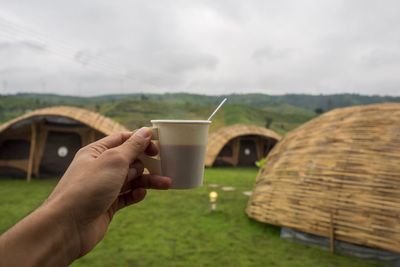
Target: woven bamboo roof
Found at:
344, 164
92, 119
218, 139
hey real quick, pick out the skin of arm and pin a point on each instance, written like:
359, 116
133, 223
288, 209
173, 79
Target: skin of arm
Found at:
103, 178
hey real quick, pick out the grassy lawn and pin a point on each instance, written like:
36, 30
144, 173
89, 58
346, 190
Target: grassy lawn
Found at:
176, 228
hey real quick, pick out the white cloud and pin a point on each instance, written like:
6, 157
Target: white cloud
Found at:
99, 47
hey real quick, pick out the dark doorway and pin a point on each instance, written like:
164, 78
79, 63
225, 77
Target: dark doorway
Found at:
9, 172
59, 150
247, 152
243, 151
14, 149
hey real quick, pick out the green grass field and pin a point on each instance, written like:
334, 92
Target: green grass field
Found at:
176, 228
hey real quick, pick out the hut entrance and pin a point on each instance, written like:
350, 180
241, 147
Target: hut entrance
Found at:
44, 146
16, 150
247, 152
59, 151
244, 150
44, 142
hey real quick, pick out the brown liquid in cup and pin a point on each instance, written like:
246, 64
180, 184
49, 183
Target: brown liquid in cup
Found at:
184, 164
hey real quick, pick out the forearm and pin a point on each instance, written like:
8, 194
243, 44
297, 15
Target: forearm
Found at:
44, 238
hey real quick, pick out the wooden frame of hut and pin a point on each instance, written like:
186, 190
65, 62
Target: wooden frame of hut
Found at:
27, 141
336, 176
239, 144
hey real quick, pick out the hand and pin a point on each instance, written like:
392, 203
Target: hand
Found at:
104, 177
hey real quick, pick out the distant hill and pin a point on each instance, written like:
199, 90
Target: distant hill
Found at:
280, 113
311, 102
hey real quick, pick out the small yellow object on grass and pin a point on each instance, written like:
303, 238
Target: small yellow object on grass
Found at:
213, 200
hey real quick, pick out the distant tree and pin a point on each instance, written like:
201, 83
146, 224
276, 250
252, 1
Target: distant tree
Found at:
268, 122
319, 111
144, 97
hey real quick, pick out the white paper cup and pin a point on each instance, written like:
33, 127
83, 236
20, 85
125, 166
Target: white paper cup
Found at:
182, 145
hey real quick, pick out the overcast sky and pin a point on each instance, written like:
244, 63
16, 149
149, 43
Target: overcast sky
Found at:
91, 47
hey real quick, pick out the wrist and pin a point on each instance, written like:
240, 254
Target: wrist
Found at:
46, 237
67, 231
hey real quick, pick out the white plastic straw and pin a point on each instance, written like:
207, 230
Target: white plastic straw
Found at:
215, 111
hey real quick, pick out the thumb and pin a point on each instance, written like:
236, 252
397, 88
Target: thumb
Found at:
136, 144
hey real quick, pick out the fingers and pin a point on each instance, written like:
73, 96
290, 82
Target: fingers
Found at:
148, 181
152, 181
136, 144
151, 150
138, 191
135, 170
108, 142
131, 197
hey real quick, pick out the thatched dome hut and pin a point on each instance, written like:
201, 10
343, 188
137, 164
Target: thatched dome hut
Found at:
337, 175
239, 145
45, 141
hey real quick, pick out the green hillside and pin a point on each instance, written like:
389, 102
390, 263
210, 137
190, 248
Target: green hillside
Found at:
310, 102
135, 111
280, 113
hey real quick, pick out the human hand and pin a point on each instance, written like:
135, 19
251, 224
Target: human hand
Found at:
104, 177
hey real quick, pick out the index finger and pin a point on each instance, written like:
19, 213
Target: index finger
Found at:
136, 144
110, 141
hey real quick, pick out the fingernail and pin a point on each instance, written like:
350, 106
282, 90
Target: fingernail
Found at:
143, 132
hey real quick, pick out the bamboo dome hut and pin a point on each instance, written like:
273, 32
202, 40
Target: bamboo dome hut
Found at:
239, 145
45, 141
337, 176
